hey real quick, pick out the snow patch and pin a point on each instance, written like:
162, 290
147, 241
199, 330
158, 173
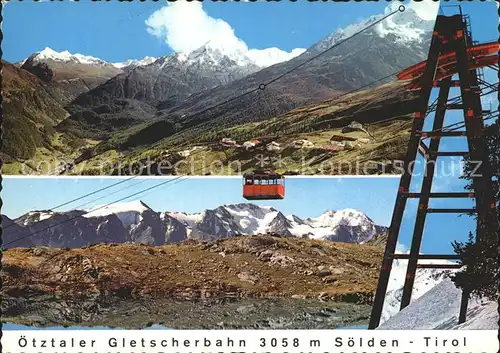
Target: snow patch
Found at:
438, 309
129, 213
135, 63
272, 56
348, 217
37, 216
66, 56
45, 215
252, 219
425, 280
188, 219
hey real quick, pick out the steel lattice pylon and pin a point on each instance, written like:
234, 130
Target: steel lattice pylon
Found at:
451, 35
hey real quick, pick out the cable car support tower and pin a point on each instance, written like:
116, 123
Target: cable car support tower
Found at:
451, 35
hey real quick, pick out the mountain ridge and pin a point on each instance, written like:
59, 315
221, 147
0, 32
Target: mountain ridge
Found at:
137, 222
366, 58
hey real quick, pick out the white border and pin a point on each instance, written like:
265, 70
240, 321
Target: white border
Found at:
384, 176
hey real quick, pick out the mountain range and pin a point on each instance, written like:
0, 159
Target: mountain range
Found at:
180, 85
117, 106
138, 223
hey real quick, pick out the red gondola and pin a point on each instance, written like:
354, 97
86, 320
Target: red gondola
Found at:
262, 185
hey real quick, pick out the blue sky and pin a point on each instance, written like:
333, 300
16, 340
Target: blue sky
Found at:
116, 31
305, 197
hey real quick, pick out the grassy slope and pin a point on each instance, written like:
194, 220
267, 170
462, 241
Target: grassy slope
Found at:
31, 110
317, 122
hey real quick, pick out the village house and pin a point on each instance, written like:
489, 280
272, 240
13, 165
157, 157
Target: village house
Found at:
302, 144
333, 147
273, 146
250, 144
184, 154
228, 142
350, 145
339, 144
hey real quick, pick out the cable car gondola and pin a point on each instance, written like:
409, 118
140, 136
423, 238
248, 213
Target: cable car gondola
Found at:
263, 185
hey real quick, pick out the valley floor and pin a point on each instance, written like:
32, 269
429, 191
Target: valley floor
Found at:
363, 133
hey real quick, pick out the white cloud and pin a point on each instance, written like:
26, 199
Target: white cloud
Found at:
185, 27
426, 9
270, 56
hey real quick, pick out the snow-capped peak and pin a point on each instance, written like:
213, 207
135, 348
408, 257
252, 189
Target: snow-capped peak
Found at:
405, 27
346, 225
135, 63
66, 56
348, 217
218, 53
116, 208
129, 213
215, 53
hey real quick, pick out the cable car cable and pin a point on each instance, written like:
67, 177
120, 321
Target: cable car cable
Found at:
154, 145
113, 193
101, 207
94, 210
83, 196
400, 9
93, 193
262, 86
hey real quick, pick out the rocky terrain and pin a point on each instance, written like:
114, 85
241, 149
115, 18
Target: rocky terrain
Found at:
31, 110
73, 73
44, 282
